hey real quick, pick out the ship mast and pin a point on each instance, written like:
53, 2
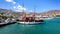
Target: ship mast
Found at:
54, 14
34, 12
23, 12
23, 9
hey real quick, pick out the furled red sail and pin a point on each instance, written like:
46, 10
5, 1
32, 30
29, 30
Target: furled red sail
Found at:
33, 15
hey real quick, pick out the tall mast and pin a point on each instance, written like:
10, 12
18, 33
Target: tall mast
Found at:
24, 14
34, 9
34, 12
23, 5
54, 14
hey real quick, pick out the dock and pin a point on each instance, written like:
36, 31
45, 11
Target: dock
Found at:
5, 24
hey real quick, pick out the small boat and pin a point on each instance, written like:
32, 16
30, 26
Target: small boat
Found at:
9, 20
47, 18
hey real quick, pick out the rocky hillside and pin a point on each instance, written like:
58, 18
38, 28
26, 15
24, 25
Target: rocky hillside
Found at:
51, 13
18, 14
10, 12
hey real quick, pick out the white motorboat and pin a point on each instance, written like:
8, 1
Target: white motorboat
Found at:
47, 18
9, 20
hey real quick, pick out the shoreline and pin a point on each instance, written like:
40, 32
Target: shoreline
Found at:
5, 24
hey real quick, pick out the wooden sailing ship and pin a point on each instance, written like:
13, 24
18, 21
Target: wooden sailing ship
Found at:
30, 19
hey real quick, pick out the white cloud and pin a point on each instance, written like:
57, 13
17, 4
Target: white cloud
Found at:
30, 11
11, 1
19, 8
14, 7
14, 2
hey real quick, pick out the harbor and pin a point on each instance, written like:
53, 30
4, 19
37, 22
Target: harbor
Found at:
50, 27
4, 21
30, 17
25, 19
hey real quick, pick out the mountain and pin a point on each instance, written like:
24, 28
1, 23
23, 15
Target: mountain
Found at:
49, 13
10, 12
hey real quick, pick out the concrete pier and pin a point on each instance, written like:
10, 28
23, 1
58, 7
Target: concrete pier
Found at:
5, 24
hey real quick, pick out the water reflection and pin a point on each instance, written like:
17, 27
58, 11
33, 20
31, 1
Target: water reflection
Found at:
24, 29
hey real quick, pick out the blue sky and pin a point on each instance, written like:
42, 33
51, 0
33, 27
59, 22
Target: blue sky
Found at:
41, 5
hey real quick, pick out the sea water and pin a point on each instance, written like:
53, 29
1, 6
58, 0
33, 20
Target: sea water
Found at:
51, 26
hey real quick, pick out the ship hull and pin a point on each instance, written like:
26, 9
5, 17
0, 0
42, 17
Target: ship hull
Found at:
30, 22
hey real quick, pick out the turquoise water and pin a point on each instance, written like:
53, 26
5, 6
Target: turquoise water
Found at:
49, 27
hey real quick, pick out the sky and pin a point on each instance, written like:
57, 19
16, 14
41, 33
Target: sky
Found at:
29, 5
